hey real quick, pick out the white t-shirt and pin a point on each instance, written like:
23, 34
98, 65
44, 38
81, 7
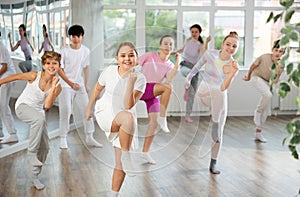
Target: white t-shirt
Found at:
73, 61
5, 58
112, 101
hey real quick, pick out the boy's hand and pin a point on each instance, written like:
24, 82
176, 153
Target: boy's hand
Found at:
76, 86
88, 114
55, 81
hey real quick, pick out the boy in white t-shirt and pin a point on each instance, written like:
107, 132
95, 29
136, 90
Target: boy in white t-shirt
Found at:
74, 71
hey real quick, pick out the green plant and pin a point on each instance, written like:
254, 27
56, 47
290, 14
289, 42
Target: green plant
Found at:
290, 34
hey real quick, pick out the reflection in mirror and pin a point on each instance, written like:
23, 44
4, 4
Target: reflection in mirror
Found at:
55, 15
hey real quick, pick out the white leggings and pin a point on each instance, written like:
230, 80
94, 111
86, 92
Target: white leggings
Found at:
216, 99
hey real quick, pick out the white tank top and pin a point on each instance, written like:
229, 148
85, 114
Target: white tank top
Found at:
32, 95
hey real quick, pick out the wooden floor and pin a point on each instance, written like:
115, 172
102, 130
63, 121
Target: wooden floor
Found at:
248, 168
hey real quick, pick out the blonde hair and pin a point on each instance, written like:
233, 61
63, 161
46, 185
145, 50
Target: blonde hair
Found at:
232, 34
51, 55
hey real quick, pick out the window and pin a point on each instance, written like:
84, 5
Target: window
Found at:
225, 22
53, 13
119, 25
217, 18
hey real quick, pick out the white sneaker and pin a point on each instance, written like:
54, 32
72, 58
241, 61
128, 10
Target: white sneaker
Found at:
257, 118
90, 141
37, 184
146, 156
162, 122
63, 143
11, 139
259, 137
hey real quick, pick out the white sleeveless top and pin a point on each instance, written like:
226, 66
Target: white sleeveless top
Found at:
32, 95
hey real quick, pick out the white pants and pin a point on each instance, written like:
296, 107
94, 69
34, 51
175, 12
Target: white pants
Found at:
217, 100
38, 134
263, 88
73, 102
5, 111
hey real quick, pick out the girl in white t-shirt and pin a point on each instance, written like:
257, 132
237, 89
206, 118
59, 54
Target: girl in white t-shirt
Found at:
115, 110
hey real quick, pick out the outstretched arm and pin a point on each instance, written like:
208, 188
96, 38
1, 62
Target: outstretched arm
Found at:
13, 48
50, 43
248, 76
29, 76
40, 49
29, 43
93, 97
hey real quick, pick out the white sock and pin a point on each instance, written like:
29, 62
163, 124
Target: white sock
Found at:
114, 193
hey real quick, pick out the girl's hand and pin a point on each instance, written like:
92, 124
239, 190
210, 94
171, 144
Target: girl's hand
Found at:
132, 76
177, 56
231, 68
208, 39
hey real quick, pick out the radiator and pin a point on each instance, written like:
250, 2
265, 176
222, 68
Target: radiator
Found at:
288, 103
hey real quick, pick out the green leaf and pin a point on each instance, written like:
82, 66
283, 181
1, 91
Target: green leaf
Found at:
288, 16
293, 150
281, 93
295, 140
284, 40
270, 17
283, 141
286, 3
294, 36
295, 77
289, 68
290, 127
285, 86
278, 16
297, 125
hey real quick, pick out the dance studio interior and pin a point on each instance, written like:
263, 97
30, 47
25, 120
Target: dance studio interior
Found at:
247, 165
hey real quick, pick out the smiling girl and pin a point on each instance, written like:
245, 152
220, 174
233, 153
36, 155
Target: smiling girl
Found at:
220, 70
115, 110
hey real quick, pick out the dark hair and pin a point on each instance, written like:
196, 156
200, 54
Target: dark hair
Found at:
24, 29
200, 30
232, 34
76, 30
165, 36
45, 29
51, 55
129, 44
276, 44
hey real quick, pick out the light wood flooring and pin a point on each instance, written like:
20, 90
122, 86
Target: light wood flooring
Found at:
248, 168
